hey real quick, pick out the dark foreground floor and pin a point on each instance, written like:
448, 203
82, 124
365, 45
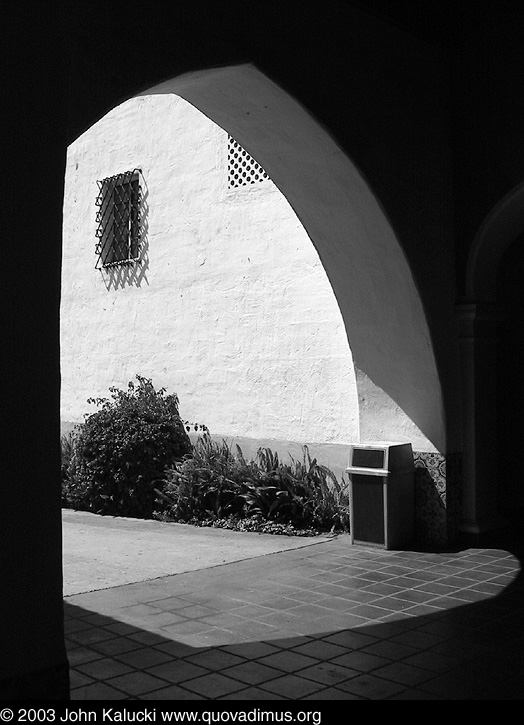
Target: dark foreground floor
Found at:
327, 621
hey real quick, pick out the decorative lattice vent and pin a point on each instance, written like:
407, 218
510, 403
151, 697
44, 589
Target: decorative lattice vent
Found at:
118, 219
242, 168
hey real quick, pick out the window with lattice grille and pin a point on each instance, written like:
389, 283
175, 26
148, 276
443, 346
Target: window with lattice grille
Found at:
242, 168
118, 219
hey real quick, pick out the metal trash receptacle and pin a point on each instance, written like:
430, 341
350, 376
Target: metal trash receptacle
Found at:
381, 494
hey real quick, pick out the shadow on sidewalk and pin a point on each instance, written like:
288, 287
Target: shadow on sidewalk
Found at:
470, 652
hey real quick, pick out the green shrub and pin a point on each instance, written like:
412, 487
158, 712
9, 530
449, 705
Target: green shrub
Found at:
215, 484
67, 449
123, 449
304, 493
206, 485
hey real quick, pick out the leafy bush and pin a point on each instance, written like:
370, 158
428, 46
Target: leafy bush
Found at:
123, 449
217, 486
302, 492
207, 485
67, 448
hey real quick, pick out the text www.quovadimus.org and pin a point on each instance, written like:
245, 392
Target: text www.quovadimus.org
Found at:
111, 714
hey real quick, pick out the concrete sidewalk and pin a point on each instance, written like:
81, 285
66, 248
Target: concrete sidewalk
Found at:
320, 621
108, 551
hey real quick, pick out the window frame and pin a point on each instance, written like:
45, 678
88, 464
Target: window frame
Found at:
118, 218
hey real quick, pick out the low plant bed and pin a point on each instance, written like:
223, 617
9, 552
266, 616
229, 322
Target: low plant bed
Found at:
256, 524
133, 457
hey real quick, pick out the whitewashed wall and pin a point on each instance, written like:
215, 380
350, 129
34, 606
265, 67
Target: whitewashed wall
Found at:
230, 308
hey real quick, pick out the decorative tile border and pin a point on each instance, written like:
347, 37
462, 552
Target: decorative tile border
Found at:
454, 493
437, 496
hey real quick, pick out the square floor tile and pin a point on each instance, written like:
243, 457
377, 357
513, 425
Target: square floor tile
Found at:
252, 673
177, 671
97, 691
215, 659
104, 668
292, 687
371, 688
404, 674
320, 649
360, 661
143, 657
390, 650
136, 683
288, 661
213, 685
328, 673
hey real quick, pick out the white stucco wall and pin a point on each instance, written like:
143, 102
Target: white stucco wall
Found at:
398, 384
231, 307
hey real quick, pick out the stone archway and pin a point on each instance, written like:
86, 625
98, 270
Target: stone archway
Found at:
75, 70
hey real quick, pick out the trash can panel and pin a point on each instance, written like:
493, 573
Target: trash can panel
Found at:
368, 510
400, 458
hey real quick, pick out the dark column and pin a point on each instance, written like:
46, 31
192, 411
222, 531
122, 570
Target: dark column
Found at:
478, 345
33, 662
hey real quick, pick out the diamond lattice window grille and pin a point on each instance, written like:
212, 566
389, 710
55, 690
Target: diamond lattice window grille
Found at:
118, 219
242, 168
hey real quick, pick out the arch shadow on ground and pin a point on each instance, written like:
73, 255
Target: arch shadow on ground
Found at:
326, 621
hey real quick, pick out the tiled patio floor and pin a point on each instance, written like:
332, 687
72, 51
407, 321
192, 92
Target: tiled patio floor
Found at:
326, 621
